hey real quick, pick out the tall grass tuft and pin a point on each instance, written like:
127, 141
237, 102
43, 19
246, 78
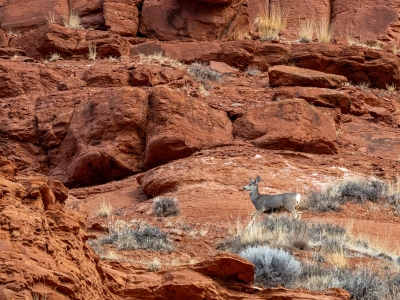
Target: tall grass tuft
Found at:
270, 22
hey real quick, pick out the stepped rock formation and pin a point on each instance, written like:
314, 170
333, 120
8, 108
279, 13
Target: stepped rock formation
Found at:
138, 120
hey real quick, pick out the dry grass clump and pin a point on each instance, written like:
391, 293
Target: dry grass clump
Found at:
391, 88
324, 32
306, 30
356, 190
55, 56
154, 265
92, 51
365, 44
142, 236
270, 22
73, 20
103, 209
159, 59
50, 18
165, 207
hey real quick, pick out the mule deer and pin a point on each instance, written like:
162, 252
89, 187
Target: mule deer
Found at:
263, 203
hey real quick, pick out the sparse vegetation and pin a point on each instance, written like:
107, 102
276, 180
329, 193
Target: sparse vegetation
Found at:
73, 20
165, 207
143, 236
103, 209
357, 191
113, 59
158, 58
365, 44
306, 30
50, 18
363, 86
203, 74
391, 88
324, 32
54, 57
270, 22
272, 267
154, 265
92, 51
253, 71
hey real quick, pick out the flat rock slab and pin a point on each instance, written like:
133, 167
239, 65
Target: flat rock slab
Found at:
292, 76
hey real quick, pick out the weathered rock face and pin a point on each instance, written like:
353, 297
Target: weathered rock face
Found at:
325, 97
90, 12
68, 42
290, 124
293, 76
122, 17
17, 14
104, 140
177, 127
193, 20
354, 19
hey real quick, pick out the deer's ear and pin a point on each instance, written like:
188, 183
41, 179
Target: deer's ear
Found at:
251, 180
258, 179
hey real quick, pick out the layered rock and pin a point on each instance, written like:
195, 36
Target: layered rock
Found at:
122, 17
290, 124
293, 76
80, 133
178, 127
193, 20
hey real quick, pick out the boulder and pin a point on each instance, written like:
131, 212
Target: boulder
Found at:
69, 42
351, 18
79, 130
222, 68
178, 127
153, 75
238, 54
325, 97
267, 55
3, 39
90, 12
293, 76
193, 20
122, 17
358, 64
16, 14
98, 76
227, 267
290, 124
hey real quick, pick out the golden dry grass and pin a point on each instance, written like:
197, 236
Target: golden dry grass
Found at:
324, 32
306, 30
72, 20
270, 22
92, 51
159, 59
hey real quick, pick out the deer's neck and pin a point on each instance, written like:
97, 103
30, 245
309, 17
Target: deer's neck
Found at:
254, 194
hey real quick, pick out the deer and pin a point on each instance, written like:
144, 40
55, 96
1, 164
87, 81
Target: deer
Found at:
264, 203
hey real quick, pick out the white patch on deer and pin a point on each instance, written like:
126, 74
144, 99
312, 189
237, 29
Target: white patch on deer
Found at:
298, 199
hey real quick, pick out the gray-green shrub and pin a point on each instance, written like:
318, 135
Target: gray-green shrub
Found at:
164, 207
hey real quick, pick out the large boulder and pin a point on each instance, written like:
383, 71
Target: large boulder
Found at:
80, 132
291, 124
90, 12
18, 14
69, 42
122, 17
178, 127
292, 76
353, 19
193, 20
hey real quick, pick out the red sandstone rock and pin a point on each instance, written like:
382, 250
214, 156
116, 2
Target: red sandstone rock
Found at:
227, 267
16, 14
193, 20
153, 75
288, 124
293, 76
352, 18
267, 55
3, 39
222, 68
90, 12
237, 53
71, 84
104, 139
325, 97
111, 77
178, 127
122, 17
70, 42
